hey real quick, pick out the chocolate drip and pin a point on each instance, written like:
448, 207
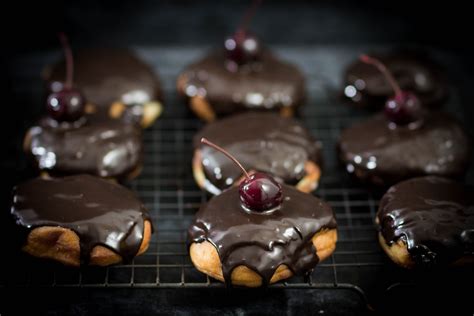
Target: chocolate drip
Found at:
106, 76
106, 148
261, 142
98, 211
263, 242
269, 84
372, 150
366, 86
433, 215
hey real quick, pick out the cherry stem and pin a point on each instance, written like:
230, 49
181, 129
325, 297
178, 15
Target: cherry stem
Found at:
384, 70
69, 60
249, 14
222, 150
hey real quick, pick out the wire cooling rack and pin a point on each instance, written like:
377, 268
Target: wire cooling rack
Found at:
167, 187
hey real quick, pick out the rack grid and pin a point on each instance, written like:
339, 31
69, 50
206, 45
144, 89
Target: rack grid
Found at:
167, 188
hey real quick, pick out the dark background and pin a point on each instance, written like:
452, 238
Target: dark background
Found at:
444, 24
28, 28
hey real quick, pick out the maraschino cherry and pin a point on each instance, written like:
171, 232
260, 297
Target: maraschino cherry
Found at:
243, 47
404, 108
66, 103
259, 192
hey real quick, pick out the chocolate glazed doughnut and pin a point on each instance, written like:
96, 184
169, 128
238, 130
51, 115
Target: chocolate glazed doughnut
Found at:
375, 152
80, 219
247, 248
115, 83
365, 86
105, 148
268, 84
261, 142
427, 221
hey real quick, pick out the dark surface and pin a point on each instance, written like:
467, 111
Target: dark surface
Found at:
148, 22
321, 37
189, 301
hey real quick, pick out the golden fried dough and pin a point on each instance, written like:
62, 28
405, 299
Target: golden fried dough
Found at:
62, 244
206, 259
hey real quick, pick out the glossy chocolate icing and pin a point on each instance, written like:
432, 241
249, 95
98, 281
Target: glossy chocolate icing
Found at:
269, 84
106, 148
106, 76
373, 151
366, 86
98, 211
263, 242
259, 141
433, 215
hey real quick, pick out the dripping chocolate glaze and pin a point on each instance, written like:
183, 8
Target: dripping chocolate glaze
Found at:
373, 151
98, 211
106, 76
366, 86
261, 142
264, 85
433, 215
262, 242
106, 148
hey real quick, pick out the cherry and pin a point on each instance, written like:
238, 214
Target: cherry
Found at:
243, 47
259, 192
404, 108
66, 103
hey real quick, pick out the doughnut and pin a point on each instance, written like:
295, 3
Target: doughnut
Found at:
245, 248
105, 148
115, 83
427, 221
80, 220
365, 86
261, 142
269, 84
374, 152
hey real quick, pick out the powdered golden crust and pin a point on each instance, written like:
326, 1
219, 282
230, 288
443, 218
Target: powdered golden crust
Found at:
62, 244
206, 259
307, 184
203, 109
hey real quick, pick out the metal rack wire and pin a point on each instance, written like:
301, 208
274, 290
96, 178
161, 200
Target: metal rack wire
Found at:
167, 187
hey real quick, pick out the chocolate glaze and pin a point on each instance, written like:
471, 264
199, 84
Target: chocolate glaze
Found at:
373, 151
106, 148
367, 87
263, 242
268, 84
261, 142
106, 76
433, 215
98, 211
